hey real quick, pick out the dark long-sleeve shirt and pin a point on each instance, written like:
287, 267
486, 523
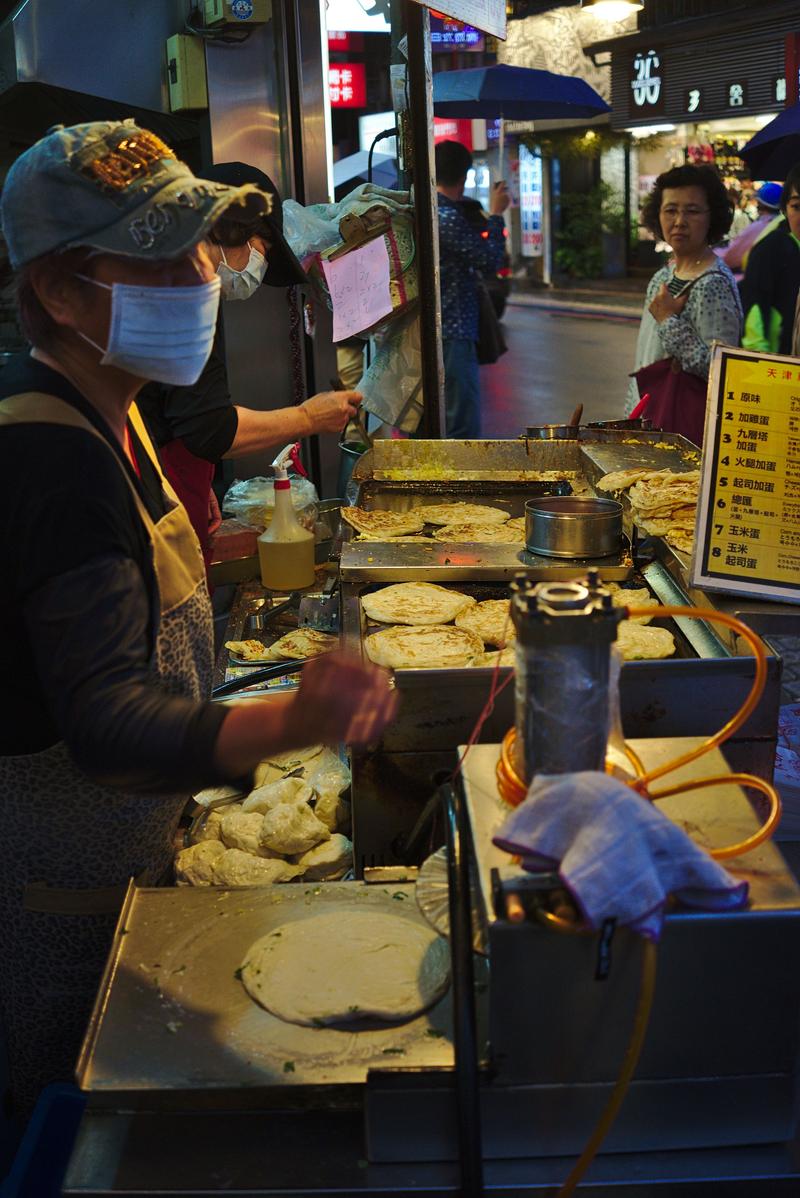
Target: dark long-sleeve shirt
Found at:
203, 415
769, 291
78, 605
464, 254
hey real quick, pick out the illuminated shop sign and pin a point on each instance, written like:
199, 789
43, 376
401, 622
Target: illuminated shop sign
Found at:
447, 34
647, 82
347, 85
693, 100
736, 93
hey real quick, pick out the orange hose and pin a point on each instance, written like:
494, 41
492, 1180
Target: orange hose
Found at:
512, 789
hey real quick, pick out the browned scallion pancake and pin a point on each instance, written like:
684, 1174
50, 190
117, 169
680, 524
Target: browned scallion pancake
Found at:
382, 524
415, 603
479, 534
438, 646
490, 620
460, 513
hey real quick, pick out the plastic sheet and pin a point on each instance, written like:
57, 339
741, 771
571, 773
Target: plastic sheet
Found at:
252, 500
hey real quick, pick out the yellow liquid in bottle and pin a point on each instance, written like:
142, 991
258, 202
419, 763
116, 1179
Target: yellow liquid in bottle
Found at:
287, 565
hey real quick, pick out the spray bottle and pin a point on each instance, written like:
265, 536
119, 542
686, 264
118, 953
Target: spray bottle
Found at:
285, 549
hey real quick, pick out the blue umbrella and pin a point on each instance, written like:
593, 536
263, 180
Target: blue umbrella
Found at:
516, 93
775, 149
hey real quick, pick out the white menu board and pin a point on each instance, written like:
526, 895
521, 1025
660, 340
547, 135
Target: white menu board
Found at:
488, 15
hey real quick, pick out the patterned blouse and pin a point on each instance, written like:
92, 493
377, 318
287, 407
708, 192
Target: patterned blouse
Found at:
463, 256
713, 312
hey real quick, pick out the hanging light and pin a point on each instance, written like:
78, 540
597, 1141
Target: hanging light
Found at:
612, 10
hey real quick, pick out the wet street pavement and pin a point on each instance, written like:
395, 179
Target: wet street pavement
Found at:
557, 358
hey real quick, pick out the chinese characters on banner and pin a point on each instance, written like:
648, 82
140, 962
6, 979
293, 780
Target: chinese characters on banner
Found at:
748, 529
530, 203
488, 15
347, 85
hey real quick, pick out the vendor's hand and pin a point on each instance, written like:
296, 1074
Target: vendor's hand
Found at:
214, 514
341, 699
499, 198
664, 304
330, 411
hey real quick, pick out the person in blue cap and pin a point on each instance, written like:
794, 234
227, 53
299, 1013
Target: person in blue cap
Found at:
768, 215
772, 278
108, 654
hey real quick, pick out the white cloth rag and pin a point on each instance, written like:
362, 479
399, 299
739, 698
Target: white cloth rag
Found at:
616, 853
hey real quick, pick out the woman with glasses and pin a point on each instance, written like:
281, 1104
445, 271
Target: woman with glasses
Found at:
693, 300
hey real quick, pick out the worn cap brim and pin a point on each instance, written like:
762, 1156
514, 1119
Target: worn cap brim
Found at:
172, 220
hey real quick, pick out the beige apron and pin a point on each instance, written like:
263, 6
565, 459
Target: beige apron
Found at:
68, 844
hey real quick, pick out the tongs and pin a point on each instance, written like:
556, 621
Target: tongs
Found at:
257, 676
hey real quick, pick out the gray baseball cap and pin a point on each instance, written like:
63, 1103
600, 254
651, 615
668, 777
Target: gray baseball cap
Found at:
114, 187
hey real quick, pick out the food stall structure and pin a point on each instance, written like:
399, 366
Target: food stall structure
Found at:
495, 1088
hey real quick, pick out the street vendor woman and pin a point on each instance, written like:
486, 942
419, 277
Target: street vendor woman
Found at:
193, 427
106, 617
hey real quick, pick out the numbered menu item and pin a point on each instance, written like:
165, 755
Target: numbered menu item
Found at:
748, 531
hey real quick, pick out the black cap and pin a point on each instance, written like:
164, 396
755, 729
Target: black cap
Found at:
284, 267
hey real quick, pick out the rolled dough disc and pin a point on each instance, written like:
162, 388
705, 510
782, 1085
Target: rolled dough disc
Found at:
338, 967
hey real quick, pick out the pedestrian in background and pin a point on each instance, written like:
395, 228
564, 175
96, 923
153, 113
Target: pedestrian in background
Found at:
693, 300
772, 279
463, 256
768, 213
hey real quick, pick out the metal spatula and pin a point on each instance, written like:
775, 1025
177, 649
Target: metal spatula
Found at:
321, 612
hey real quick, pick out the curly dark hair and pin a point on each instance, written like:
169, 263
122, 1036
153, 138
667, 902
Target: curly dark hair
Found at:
707, 177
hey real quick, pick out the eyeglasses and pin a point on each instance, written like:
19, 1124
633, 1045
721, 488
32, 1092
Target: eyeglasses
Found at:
671, 212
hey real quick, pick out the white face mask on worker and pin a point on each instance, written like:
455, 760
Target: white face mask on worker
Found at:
160, 333
241, 284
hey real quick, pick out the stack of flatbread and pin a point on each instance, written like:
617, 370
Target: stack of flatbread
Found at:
460, 513
663, 504
423, 636
467, 523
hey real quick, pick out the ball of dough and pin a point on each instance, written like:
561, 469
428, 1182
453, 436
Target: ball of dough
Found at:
329, 860
235, 868
289, 829
211, 828
195, 866
242, 830
286, 790
332, 811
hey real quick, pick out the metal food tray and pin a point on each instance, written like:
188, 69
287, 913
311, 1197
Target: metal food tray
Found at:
171, 990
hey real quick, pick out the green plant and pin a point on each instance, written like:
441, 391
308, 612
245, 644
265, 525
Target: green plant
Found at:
585, 217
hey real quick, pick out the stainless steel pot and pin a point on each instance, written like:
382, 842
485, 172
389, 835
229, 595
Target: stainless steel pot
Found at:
571, 526
551, 432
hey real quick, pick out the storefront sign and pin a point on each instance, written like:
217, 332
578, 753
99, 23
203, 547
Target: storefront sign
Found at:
448, 129
341, 41
488, 15
447, 34
736, 94
530, 203
693, 100
647, 82
347, 85
748, 521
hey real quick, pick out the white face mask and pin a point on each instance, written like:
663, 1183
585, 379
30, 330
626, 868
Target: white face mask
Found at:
160, 333
241, 284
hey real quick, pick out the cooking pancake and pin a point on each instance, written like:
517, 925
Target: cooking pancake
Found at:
518, 523
437, 647
251, 650
503, 657
632, 597
410, 540
636, 643
473, 533
415, 603
303, 642
620, 480
460, 513
490, 620
382, 524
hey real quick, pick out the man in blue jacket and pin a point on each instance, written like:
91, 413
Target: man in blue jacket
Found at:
464, 254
